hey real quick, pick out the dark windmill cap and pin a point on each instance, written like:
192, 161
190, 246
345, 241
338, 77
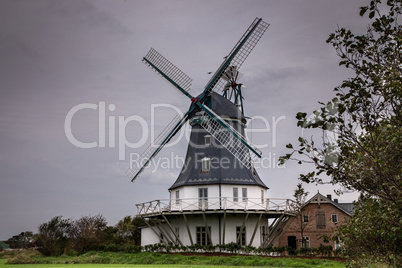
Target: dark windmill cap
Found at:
225, 168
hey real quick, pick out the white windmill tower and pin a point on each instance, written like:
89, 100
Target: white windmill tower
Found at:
218, 197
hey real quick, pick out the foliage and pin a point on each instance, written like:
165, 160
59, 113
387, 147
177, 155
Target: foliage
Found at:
361, 145
74, 237
52, 237
129, 229
381, 240
148, 258
22, 240
88, 232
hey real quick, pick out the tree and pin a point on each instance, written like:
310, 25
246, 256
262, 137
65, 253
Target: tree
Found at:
374, 230
88, 232
129, 230
52, 238
22, 240
298, 206
361, 148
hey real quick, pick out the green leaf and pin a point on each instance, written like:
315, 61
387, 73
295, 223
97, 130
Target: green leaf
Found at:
363, 11
301, 115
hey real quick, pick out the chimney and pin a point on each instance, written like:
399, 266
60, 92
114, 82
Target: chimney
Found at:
336, 201
329, 196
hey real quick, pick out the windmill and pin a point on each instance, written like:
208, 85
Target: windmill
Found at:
224, 81
212, 204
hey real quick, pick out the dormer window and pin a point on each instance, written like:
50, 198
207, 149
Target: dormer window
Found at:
205, 165
208, 140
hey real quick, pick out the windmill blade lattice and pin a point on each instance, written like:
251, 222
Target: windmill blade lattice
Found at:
239, 53
157, 145
154, 59
229, 137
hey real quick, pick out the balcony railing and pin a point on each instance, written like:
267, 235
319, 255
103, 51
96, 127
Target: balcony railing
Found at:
214, 203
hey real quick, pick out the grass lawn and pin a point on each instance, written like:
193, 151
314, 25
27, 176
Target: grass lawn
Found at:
33, 259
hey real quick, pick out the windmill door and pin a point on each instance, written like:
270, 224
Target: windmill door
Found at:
203, 198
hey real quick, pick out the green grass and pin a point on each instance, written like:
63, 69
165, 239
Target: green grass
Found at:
33, 259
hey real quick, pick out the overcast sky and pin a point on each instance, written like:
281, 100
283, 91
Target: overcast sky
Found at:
57, 55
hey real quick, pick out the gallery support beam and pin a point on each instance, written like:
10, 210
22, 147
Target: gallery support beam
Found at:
255, 229
173, 231
188, 229
207, 228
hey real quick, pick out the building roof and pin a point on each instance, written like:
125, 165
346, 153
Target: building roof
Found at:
224, 168
320, 199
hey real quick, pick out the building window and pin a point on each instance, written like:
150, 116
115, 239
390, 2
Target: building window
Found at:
320, 220
205, 165
306, 242
305, 218
203, 198
235, 194
202, 235
208, 140
241, 235
334, 218
177, 197
244, 192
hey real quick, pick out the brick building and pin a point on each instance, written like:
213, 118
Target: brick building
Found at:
320, 217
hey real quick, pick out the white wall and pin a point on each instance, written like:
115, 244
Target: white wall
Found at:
232, 221
188, 197
148, 237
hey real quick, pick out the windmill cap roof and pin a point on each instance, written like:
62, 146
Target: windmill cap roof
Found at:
223, 107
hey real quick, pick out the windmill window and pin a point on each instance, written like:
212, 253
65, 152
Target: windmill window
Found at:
235, 194
241, 235
262, 196
205, 165
264, 234
208, 140
244, 192
177, 197
203, 198
202, 235
334, 218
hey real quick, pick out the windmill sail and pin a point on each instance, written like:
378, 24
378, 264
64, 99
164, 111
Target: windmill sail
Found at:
167, 70
238, 54
229, 137
164, 137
